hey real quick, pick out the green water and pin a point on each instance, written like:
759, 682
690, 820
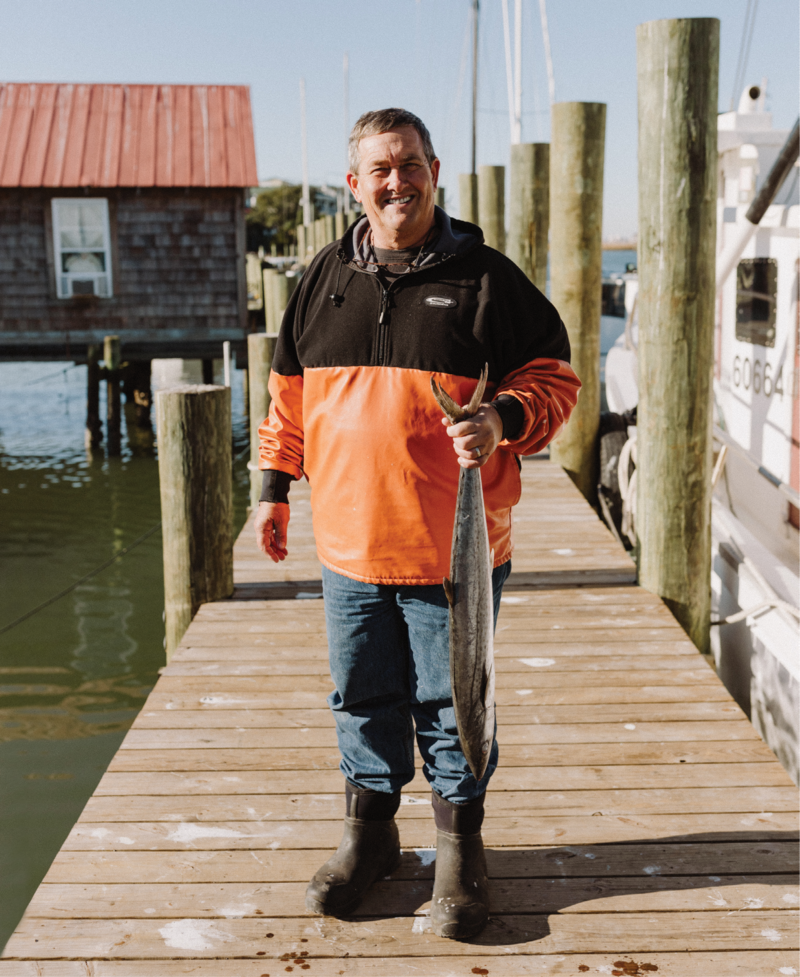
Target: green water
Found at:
74, 675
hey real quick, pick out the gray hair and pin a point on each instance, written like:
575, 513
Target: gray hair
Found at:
374, 123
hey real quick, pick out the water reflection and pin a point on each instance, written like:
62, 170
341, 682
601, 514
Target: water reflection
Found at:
74, 675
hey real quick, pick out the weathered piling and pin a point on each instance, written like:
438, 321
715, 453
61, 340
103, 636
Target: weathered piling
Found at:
208, 372
138, 392
576, 260
529, 223
352, 217
468, 197
677, 82
338, 224
270, 275
439, 197
111, 356
328, 230
282, 288
194, 469
492, 205
301, 242
94, 429
260, 350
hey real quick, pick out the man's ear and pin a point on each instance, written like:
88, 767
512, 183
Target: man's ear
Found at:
352, 182
435, 165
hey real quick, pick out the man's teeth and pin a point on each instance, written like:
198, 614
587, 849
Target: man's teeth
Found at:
399, 200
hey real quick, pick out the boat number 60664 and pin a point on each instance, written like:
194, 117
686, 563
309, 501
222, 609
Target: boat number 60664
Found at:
760, 378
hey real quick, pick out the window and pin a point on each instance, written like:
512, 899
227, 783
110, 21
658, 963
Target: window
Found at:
82, 244
756, 294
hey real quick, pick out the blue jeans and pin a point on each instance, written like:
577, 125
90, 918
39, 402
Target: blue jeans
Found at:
390, 662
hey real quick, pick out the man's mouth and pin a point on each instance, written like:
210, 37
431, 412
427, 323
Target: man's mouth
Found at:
400, 200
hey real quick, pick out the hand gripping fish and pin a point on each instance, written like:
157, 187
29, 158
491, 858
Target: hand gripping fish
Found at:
469, 593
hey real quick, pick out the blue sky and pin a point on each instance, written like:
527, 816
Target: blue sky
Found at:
409, 53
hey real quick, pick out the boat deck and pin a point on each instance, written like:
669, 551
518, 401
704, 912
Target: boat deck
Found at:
636, 824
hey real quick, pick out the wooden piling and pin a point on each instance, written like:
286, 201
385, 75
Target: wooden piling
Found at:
301, 242
352, 217
94, 429
328, 230
439, 197
269, 299
260, 350
194, 469
111, 356
529, 224
282, 288
492, 205
338, 225
468, 197
208, 372
677, 82
576, 260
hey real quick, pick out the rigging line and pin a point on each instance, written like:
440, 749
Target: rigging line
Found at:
462, 75
88, 576
50, 376
744, 50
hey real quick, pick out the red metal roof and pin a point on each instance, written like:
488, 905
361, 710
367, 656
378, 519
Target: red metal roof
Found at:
126, 136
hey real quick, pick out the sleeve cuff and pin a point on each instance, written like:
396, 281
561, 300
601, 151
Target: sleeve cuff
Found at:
512, 414
275, 487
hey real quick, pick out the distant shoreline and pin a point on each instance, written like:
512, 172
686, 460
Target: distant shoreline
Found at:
619, 246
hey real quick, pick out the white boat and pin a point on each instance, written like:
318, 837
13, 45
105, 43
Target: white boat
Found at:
756, 546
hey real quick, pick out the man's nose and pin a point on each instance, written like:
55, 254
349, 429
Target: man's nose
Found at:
396, 179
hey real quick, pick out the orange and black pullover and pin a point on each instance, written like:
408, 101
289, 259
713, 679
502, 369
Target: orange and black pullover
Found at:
352, 408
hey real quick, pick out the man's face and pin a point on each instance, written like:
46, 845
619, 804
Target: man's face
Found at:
396, 186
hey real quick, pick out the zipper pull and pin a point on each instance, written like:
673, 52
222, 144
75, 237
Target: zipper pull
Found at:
384, 306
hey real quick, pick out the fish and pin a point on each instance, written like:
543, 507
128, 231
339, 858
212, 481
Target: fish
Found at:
469, 594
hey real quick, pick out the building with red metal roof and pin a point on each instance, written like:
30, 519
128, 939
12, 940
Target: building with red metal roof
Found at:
122, 211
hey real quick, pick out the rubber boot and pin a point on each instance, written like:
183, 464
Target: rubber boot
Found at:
460, 904
370, 848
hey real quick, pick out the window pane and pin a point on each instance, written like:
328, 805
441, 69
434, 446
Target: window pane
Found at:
86, 261
81, 223
756, 294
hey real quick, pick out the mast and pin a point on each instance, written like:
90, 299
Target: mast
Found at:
551, 83
475, 6
517, 137
307, 216
345, 191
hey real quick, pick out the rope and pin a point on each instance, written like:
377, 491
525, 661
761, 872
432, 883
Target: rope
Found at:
50, 376
88, 576
741, 615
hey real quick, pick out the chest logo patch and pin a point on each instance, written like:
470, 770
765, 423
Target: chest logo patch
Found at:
440, 302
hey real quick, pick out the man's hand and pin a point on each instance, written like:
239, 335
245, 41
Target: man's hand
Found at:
272, 522
475, 439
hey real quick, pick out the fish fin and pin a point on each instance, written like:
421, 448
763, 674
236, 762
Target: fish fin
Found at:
448, 591
477, 396
450, 408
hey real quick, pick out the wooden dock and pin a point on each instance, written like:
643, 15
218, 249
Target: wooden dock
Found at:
636, 824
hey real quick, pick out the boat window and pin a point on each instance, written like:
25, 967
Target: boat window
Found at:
756, 295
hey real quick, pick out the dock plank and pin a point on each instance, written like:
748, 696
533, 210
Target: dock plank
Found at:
636, 824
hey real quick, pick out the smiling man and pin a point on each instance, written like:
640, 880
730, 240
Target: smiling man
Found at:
407, 294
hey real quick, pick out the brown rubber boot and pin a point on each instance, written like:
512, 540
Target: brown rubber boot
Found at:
370, 848
460, 903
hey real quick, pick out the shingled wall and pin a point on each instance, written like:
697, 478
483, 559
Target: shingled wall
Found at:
177, 266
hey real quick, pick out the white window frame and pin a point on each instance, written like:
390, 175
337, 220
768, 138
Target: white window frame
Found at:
102, 280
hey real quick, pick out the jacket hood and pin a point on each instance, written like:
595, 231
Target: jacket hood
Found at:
455, 238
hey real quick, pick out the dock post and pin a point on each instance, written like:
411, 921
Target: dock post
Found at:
530, 210
576, 262
194, 470
94, 429
208, 372
492, 205
301, 243
338, 225
282, 289
439, 197
138, 393
111, 356
677, 80
260, 350
468, 197
269, 299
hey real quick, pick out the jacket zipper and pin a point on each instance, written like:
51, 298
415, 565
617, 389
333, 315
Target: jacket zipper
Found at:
383, 326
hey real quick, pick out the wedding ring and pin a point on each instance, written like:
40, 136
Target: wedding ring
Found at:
478, 454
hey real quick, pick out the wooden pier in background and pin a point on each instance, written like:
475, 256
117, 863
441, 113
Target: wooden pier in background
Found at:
636, 824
